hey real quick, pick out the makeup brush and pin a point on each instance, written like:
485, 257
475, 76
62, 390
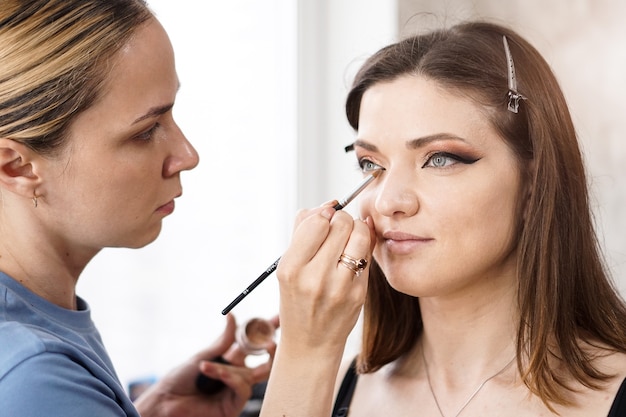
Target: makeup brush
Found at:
340, 205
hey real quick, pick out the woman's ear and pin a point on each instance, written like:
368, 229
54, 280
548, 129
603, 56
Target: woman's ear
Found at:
17, 168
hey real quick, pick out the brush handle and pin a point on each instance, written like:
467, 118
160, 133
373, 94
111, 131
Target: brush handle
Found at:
339, 206
270, 269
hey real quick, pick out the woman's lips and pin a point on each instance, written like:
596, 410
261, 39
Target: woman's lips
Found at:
401, 243
167, 208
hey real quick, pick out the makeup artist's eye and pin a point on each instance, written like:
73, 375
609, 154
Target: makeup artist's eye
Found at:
148, 134
368, 166
446, 159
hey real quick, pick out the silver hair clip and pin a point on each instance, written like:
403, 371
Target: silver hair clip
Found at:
514, 96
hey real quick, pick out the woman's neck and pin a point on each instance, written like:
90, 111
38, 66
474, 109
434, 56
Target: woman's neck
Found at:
469, 334
46, 267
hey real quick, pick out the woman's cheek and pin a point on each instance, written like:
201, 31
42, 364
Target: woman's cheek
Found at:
366, 205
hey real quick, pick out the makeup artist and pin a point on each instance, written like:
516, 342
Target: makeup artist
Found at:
90, 157
487, 295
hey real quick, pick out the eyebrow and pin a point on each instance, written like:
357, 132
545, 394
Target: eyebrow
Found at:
154, 112
412, 143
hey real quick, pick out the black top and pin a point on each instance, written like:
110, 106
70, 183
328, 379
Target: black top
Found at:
344, 396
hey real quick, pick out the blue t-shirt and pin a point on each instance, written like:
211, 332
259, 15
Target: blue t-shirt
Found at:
52, 360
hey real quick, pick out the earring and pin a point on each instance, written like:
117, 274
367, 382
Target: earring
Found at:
35, 200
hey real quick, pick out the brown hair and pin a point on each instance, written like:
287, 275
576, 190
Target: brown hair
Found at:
54, 59
566, 298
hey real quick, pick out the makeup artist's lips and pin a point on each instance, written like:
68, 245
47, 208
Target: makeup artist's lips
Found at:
167, 208
401, 243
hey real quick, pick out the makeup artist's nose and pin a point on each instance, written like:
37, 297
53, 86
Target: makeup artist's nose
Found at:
396, 195
183, 156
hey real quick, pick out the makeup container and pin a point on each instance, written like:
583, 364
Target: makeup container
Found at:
255, 336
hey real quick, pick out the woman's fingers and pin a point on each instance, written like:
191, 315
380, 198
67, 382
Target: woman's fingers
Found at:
239, 379
353, 263
311, 230
321, 294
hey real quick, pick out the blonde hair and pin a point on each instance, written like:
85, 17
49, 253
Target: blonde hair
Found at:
54, 57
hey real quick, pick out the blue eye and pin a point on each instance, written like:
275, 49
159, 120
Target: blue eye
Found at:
445, 159
368, 166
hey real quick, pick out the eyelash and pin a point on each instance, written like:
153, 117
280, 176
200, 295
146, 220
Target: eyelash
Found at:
448, 156
366, 165
148, 134
374, 166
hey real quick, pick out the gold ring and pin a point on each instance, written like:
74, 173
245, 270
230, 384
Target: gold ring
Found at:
355, 265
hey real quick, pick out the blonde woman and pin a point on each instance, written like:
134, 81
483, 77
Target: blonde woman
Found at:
90, 157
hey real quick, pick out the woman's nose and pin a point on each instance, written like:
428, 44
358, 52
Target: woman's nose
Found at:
183, 156
397, 195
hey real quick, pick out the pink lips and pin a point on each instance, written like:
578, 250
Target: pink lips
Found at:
401, 243
167, 208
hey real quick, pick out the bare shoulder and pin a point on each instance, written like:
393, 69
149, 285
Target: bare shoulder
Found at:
615, 361
613, 364
592, 402
390, 392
